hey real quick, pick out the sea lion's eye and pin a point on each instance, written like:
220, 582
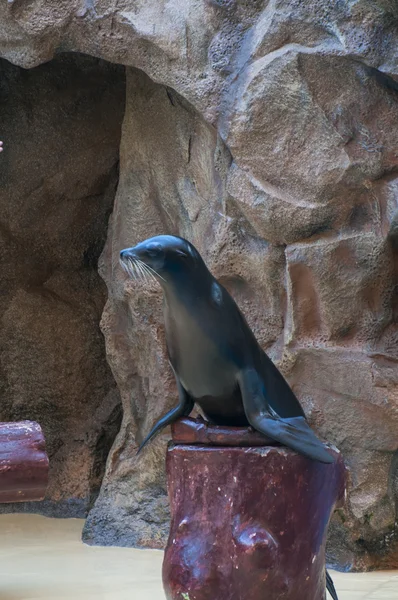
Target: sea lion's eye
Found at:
154, 249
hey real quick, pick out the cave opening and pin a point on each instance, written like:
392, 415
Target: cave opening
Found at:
61, 126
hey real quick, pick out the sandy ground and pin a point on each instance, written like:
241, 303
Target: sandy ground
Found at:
44, 559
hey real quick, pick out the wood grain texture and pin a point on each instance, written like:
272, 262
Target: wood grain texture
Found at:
248, 522
197, 431
24, 463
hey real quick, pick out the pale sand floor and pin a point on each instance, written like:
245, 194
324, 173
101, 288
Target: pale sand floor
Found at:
44, 559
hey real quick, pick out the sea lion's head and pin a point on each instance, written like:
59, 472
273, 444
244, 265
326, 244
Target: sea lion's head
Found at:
165, 257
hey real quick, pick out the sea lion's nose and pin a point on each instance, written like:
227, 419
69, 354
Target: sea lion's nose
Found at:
128, 253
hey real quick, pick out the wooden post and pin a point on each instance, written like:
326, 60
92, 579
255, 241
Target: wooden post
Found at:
24, 462
248, 522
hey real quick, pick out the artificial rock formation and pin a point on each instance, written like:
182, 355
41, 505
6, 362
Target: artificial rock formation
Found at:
60, 124
265, 133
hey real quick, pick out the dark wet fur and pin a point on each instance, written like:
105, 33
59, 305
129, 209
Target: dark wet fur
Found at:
214, 352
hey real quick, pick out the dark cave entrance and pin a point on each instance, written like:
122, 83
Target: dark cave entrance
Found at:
61, 126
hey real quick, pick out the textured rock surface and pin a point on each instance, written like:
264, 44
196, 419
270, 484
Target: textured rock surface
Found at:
298, 217
238, 516
61, 125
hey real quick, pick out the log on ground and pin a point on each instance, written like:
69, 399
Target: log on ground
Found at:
24, 463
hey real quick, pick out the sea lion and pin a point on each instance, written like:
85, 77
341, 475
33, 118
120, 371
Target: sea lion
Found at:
216, 359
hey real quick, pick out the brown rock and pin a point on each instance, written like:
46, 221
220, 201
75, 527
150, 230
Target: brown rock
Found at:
349, 407
61, 125
327, 302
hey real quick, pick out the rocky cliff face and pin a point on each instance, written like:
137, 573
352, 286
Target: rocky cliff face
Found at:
266, 133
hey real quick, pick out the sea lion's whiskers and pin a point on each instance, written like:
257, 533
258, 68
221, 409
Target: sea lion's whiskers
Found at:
139, 273
141, 267
124, 266
156, 274
131, 269
148, 273
148, 276
127, 268
142, 271
137, 270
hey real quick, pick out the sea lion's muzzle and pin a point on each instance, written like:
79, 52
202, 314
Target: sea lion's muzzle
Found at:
136, 263
127, 254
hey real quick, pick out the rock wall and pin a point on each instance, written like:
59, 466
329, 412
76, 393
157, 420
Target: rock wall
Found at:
61, 125
277, 156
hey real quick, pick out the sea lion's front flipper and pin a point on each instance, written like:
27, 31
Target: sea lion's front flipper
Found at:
330, 587
184, 408
293, 432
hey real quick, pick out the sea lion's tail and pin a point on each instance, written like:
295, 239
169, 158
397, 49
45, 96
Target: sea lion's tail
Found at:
295, 433
330, 587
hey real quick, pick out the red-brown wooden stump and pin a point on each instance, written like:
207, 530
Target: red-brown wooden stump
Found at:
248, 523
23, 462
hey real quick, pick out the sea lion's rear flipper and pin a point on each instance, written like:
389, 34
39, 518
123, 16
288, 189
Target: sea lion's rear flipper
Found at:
184, 408
293, 432
330, 587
